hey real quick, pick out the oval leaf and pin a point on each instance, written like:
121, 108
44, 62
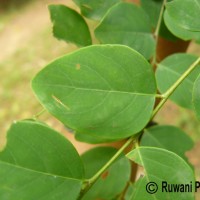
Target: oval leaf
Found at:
106, 91
167, 137
113, 181
95, 9
196, 97
68, 24
185, 14
133, 29
168, 72
161, 165
179, 31
41, 162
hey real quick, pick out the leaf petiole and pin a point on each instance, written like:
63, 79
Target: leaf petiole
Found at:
39, 114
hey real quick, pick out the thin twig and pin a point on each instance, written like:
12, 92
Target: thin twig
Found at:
157, 30
171, 90
88, 183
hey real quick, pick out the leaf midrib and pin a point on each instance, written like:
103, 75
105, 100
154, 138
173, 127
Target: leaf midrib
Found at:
96, 90
38, 172
144, 166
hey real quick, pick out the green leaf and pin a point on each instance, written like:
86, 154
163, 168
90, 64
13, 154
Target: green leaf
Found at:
167, 137
69, 26
91, 139
129, 191
179, 31
77, 2
133, 29
152, 8
186, 15
105, 91
113, 180
196, 97
96, 9
161, 165
168, 72
39, 163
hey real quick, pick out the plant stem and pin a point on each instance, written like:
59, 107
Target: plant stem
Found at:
88, 183
169, 92
39, 113
157, 30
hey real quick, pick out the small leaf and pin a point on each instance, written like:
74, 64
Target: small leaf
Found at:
186, 15
104, 91
68, 25
113, 181
196, 97
168, 72
161, 165
129, 25
39, 163
179, 31
167, 137
96, 9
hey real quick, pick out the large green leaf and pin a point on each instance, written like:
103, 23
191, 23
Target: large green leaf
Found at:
113, 180
167, 137
95, 9
127, 24
107, 91
178, 30
161, 165
39, 163
168, 72
185, 14
196, 97
70, 26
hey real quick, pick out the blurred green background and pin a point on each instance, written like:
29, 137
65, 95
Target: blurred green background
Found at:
27, 45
